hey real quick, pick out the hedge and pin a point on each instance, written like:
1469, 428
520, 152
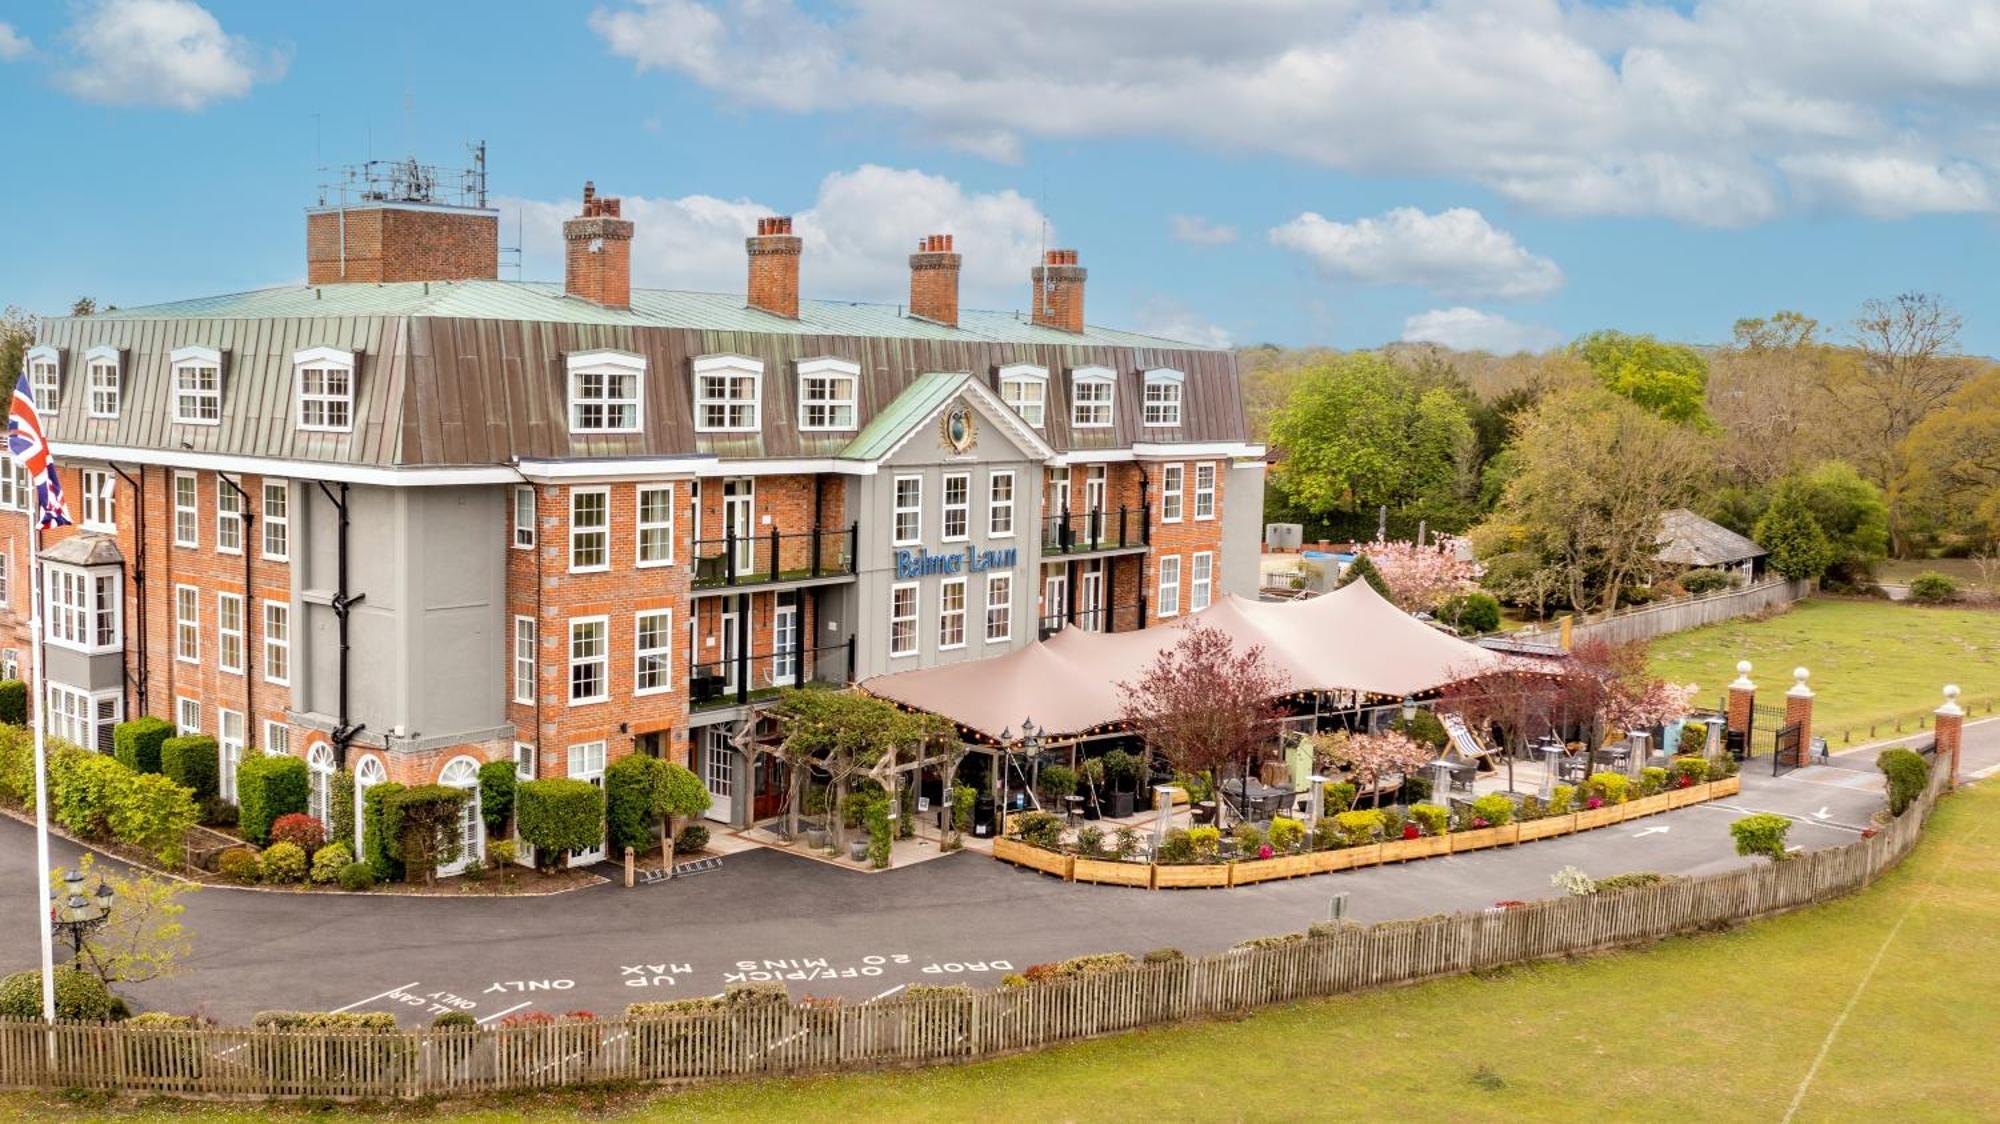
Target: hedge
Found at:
151, 811
629, 785
269, 786
423, 822
83, 788
79, 995
377, 830
138, 742
17, 765
13, 702
342, 799
558, 817
190, 761
496, 795
1905, 773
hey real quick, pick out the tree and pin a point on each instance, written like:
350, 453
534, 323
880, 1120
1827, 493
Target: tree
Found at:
846, 734
17, 335
84, 306
1764, 394
1202, 704
1364, 570
1799, 547
1369, 758
1906, 372
1953, 459
1851, 512
1418, 577
143, 939
1668, 379
677, 792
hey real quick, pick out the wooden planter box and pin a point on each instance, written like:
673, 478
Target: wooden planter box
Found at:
1423, 847
1682, 797
1727, 786
1649, 805
1547, 827
1278, 866
1178, 877
1110, 872
1034, 858
1600, 817
1347, 858
1481, 838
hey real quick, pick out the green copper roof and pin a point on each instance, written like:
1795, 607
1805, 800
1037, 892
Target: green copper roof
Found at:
918, 401
535, 301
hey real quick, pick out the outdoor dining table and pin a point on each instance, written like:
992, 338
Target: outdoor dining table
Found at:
1261, 797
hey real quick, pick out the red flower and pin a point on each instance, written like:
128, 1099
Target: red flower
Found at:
1480, 821
1265, 851
1410, 831
1686, 781
1595, 802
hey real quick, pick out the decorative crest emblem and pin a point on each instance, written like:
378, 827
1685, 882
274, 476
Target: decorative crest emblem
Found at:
958, 429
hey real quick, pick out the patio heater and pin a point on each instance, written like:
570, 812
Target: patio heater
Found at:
1163, 807
1316, 806
1552, 752
75, 914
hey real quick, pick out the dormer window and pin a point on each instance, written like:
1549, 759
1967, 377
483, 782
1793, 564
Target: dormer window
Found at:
1025, 388
605, 389
197, 386
1163, 397
44, 378
323, 378
102, 375
726, 393
826, 393
1090, 395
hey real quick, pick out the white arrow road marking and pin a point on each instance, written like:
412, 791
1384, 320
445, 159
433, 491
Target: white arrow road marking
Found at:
1651, 831
1823, 813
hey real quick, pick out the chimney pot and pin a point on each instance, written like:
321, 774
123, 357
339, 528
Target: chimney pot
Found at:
1057, 299
597, 246
774, 267
934, 280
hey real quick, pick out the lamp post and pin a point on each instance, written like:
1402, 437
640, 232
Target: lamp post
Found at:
1031, 742
74, 914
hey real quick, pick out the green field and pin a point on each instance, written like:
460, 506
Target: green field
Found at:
1870, 660
1895, 984
1964, 571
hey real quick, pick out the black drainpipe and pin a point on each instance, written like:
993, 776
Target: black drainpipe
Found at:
248, 521
138, 574
343, 732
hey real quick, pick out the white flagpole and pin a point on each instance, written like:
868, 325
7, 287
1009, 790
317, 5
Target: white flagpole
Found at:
37, 707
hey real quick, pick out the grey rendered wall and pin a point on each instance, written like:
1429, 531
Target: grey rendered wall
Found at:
1242, 527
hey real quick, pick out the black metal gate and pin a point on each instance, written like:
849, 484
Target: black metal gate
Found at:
1790, 750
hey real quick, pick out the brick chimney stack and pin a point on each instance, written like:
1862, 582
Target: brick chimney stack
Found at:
597, 263
774, 267
1058, 295
934, 280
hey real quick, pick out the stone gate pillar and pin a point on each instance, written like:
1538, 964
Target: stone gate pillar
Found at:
1950, 730
1742, 703
1799, 709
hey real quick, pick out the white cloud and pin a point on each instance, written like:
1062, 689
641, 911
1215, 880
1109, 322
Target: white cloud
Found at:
170, 53
13, 44
1198, 231
1887, 186
1688, 111
1456, 253
1170, 319
859, 232
1468, 329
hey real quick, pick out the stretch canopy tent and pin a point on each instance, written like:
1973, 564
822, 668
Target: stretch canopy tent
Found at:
1349, 640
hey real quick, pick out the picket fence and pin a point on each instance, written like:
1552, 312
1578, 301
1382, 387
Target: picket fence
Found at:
771, 1038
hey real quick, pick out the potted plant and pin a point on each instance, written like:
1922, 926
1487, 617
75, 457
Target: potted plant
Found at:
1057, 784
1090, 774
1121, 779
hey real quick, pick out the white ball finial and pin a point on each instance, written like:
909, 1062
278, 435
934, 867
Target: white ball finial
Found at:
1742, 667
1800, 674
1951, 709
1799, 689
1951, 692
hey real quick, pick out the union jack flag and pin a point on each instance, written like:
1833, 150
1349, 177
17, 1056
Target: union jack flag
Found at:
30, 447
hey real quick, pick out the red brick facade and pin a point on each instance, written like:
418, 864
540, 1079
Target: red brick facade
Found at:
934, 280
389, 243
597, 263
1058, 291
774, 267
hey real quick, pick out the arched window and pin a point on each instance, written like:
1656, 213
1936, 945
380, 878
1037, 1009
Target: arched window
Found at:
463, 773
319, 798
367, 775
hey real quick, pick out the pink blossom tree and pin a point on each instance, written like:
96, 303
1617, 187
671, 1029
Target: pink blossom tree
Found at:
1419, 577
1368, 758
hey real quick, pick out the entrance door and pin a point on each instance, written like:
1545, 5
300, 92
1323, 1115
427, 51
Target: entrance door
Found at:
586, 763
1055, 598
463, 774
739, 502
785, 646
1090, 598
1093, 504
718, 772
729, 649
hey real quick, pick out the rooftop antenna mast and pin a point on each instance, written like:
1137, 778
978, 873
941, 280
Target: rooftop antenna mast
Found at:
1044, 293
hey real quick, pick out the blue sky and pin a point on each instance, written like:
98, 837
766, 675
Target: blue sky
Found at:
1345, 171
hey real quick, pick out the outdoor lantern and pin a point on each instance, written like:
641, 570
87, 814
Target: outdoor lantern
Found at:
75, 914
1409, 710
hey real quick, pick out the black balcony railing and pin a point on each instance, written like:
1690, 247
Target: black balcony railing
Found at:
734, 560
1121, 617
745, 678
1078, 532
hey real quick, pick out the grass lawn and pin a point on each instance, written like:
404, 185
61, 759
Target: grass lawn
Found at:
1870, 660
1718, 1027
1961, 570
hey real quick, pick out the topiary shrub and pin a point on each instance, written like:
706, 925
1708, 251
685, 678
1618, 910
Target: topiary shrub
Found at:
329, 861
341, 799
1761, 834
240, 865
629, 784
1470, 613
190, 761
14, 709
358, 878
424, 826
151, 811
559, 817
269, 786
300, 829
1287, 834
1562, 801
284, 863
378, 833
137, 743
1363, 825
1495, 808
1424, 727
1612, 788
692, 840
496, 795
1207, 841
83, 788
1905, 773
1933, 588
80, 995
1057, 783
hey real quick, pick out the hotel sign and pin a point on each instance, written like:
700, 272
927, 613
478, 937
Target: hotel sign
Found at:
921, 563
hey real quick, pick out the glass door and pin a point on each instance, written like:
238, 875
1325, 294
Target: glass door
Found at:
1090, 598
729, 649
1093, 504
586, 763
718, 772
785, 646
739, 503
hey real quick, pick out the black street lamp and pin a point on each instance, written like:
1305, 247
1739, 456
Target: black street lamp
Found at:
1031, 742
74, 914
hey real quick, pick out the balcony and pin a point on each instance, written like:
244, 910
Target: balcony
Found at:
745, 678
734, 561
1097, 531
1101, 619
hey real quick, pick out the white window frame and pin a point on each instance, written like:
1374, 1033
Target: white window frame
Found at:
329, 362
14, 489
6, 581
228, 513
578, 533
1093, 377
834, 373
1204, 494
1201, 580
44, 364
524, 529
1162, 411
524, 761
229, 750
1016, 377
915, 512
1005, 607
230, 639
950, 619
914, 619
602, 659
1167, 599
619, 413
644, 525
83, 717
277, 742
659, 658
191, 361
962, 509
190, 511
187, 630
276, 528
278, 642
729, 368
104, 396
78, 608
524, 660
997, 507
1173, 492
187, 716
100, 500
